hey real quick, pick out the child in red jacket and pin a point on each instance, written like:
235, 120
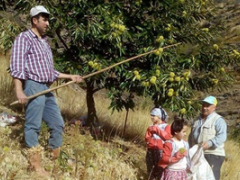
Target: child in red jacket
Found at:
155, 136
175, 159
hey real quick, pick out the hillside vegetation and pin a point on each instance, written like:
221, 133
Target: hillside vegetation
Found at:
83, 157
104, 154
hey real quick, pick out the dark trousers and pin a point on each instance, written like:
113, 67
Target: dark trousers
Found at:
153, 156
216, 163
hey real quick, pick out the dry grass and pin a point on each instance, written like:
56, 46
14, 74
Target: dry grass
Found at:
83, 157
6, 86
72, 103
230, 169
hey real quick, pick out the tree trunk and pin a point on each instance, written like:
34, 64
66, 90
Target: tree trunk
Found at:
125, 123
92, 116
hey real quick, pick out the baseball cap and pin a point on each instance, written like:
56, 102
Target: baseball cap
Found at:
37, 10
160, 112
210, 100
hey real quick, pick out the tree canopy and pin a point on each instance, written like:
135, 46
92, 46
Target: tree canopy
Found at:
88, 35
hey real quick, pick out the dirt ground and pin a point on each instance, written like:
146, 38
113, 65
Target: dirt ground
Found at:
229, 104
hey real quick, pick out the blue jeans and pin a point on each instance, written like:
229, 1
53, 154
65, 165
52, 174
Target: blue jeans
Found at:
45, 108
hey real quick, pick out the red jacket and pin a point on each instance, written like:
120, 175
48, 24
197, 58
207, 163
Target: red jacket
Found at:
154, 143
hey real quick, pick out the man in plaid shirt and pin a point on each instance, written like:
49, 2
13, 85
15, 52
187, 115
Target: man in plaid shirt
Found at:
33, 71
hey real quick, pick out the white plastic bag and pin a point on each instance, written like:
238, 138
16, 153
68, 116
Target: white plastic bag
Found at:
6, 119
200, 168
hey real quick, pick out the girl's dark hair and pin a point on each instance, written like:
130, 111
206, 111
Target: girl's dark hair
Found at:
178, 125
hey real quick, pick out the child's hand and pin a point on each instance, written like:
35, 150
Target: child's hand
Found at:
179, 155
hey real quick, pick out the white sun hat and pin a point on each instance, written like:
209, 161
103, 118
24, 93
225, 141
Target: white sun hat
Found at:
37, 10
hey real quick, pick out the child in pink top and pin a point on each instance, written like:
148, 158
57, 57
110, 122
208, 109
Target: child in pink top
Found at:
175, 157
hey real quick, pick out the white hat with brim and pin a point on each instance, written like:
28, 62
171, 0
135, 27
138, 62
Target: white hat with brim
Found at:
37, 10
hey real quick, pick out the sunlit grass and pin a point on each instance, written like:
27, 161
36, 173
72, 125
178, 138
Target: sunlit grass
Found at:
71, 102
81, 158
230, 168
6, 85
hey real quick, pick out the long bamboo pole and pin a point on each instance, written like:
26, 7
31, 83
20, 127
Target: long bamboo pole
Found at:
92, 74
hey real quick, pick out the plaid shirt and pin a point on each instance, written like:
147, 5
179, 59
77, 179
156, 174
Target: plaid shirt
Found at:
32, 58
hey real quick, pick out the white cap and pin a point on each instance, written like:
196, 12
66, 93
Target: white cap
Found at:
38, 9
